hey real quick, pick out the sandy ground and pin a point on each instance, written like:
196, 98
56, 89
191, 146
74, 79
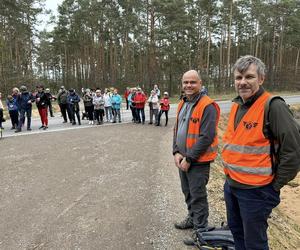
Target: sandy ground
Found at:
113, 187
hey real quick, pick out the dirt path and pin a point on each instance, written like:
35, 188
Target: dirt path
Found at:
111, 187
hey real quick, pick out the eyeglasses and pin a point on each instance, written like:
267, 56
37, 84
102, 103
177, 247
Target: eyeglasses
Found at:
191, 82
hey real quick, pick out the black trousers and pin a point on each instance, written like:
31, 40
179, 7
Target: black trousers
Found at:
14, 117
1, 117
140, 115
74, 110
90, 112
64, 109
99, 113
133, 112
193, 185
160, 114
24, 113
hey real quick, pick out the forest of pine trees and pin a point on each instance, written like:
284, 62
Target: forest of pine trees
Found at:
101, 43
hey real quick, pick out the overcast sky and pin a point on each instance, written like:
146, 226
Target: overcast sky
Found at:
50, 5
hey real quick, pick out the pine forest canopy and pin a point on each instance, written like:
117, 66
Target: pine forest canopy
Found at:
101, 43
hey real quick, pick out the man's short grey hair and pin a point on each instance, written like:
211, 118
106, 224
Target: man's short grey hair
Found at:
244, 62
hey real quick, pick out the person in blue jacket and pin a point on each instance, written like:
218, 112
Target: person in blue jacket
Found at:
73, 105
24, 103
13, 111
116, 101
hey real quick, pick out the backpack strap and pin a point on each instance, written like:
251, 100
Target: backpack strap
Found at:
268, 133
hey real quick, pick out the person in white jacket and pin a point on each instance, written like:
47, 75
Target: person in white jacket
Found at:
154, 106
107, 105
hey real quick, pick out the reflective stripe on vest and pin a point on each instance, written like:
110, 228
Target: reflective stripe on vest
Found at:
194, 128
246, 152
246, 170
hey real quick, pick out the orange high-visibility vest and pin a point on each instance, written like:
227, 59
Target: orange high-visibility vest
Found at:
246, 151
194, 128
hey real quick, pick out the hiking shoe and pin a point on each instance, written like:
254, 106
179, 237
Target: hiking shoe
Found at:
187, 223
192, 240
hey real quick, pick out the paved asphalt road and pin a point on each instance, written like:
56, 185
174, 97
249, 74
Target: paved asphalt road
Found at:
100, 188
55, 123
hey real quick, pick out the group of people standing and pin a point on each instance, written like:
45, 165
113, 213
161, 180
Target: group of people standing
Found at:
99, 106
19, 105
137, 101
260, 155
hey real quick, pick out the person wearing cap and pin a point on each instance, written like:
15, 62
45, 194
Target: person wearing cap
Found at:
24, 103
62, 100
50, 97
153, 106
140, 101
13, 111
195, 146
73, 104
164, 108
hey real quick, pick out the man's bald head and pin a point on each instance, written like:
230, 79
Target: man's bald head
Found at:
193, 73
191, 83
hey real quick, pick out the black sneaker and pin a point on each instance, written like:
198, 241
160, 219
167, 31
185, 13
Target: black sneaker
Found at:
45, 127
187, 223
41, 127
29, 129
18, 130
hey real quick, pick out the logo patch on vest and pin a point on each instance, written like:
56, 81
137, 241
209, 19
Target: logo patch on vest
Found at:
250, 125
195, 120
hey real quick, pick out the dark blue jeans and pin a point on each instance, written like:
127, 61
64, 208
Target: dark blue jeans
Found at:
248, 211
140, 118
24, 112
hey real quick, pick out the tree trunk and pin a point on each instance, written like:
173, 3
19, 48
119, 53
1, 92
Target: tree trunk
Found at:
229, 45
297, 61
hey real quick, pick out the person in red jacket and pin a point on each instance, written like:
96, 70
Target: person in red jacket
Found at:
126, 94
164, 108
139, 101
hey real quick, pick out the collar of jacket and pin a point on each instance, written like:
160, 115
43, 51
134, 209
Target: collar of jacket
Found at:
195, 98
251, 100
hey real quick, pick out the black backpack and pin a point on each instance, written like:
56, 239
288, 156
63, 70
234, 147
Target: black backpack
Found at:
216, 239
